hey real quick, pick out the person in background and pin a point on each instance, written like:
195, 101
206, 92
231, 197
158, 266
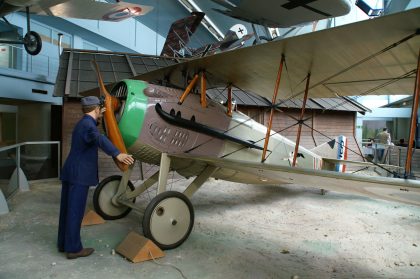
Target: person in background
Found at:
80, 171
402, 143
384, 138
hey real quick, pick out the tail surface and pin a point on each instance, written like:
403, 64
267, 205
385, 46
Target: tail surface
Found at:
333, 149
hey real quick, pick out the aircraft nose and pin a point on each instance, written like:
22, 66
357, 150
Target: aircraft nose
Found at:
131, 108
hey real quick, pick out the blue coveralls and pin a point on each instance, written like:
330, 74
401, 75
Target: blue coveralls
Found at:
79, 172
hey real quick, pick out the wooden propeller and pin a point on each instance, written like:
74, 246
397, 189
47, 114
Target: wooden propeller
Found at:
112, 130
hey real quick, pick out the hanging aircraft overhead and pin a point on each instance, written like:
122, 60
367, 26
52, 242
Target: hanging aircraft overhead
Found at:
181, 31
86, 9
283, 13
83, 9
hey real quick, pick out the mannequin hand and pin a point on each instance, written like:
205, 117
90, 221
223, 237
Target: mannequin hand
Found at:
125, 158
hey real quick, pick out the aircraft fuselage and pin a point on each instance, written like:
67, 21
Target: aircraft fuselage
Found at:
197, 131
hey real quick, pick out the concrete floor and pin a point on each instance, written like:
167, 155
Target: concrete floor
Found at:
241, 231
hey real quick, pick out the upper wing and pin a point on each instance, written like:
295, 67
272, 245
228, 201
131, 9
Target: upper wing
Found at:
89, 9
394, 189
354, 59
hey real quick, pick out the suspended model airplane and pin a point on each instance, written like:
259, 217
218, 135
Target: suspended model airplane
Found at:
84, 9
180, 32
164, 126
283, 13
268, 13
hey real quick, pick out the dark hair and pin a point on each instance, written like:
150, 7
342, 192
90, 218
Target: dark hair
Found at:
87, 109
385, 129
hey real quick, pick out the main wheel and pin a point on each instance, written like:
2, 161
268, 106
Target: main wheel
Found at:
32, 42
168, 219
102, 198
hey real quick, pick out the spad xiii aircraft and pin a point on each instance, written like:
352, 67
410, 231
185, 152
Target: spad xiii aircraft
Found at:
164, 118
84, 9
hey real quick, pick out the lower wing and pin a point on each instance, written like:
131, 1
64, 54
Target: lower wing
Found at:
393, 189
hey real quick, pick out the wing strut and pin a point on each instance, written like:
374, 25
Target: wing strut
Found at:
302, 113
229, 101
413, 121
273, 103
203, 100
188, 89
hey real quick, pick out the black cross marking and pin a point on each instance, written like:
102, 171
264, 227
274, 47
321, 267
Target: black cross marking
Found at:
303, 3
240, 30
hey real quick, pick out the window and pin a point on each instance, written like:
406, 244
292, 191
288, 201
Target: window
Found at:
10, 55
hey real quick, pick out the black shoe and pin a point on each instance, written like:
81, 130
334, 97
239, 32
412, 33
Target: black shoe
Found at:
83, 253
61, 250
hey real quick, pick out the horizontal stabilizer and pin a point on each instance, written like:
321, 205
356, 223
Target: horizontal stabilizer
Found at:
333, 149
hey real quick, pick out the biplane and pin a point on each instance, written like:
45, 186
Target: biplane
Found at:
64, 8
181, 31
268, 13
164, 118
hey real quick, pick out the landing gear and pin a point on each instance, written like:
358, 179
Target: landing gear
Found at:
32, 42
169, 216
168, 219
103, 198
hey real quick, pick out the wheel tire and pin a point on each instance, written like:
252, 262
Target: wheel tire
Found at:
158, 219
103, 194
32, 42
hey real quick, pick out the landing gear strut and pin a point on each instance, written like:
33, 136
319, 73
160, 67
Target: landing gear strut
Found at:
32, 40
168, 218
102, 199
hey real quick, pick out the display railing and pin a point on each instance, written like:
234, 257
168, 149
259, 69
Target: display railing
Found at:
28, 161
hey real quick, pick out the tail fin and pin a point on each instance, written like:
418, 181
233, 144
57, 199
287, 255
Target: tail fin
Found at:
180, 33
333, 149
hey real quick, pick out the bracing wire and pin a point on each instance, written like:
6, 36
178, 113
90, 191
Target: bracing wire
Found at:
323, 82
